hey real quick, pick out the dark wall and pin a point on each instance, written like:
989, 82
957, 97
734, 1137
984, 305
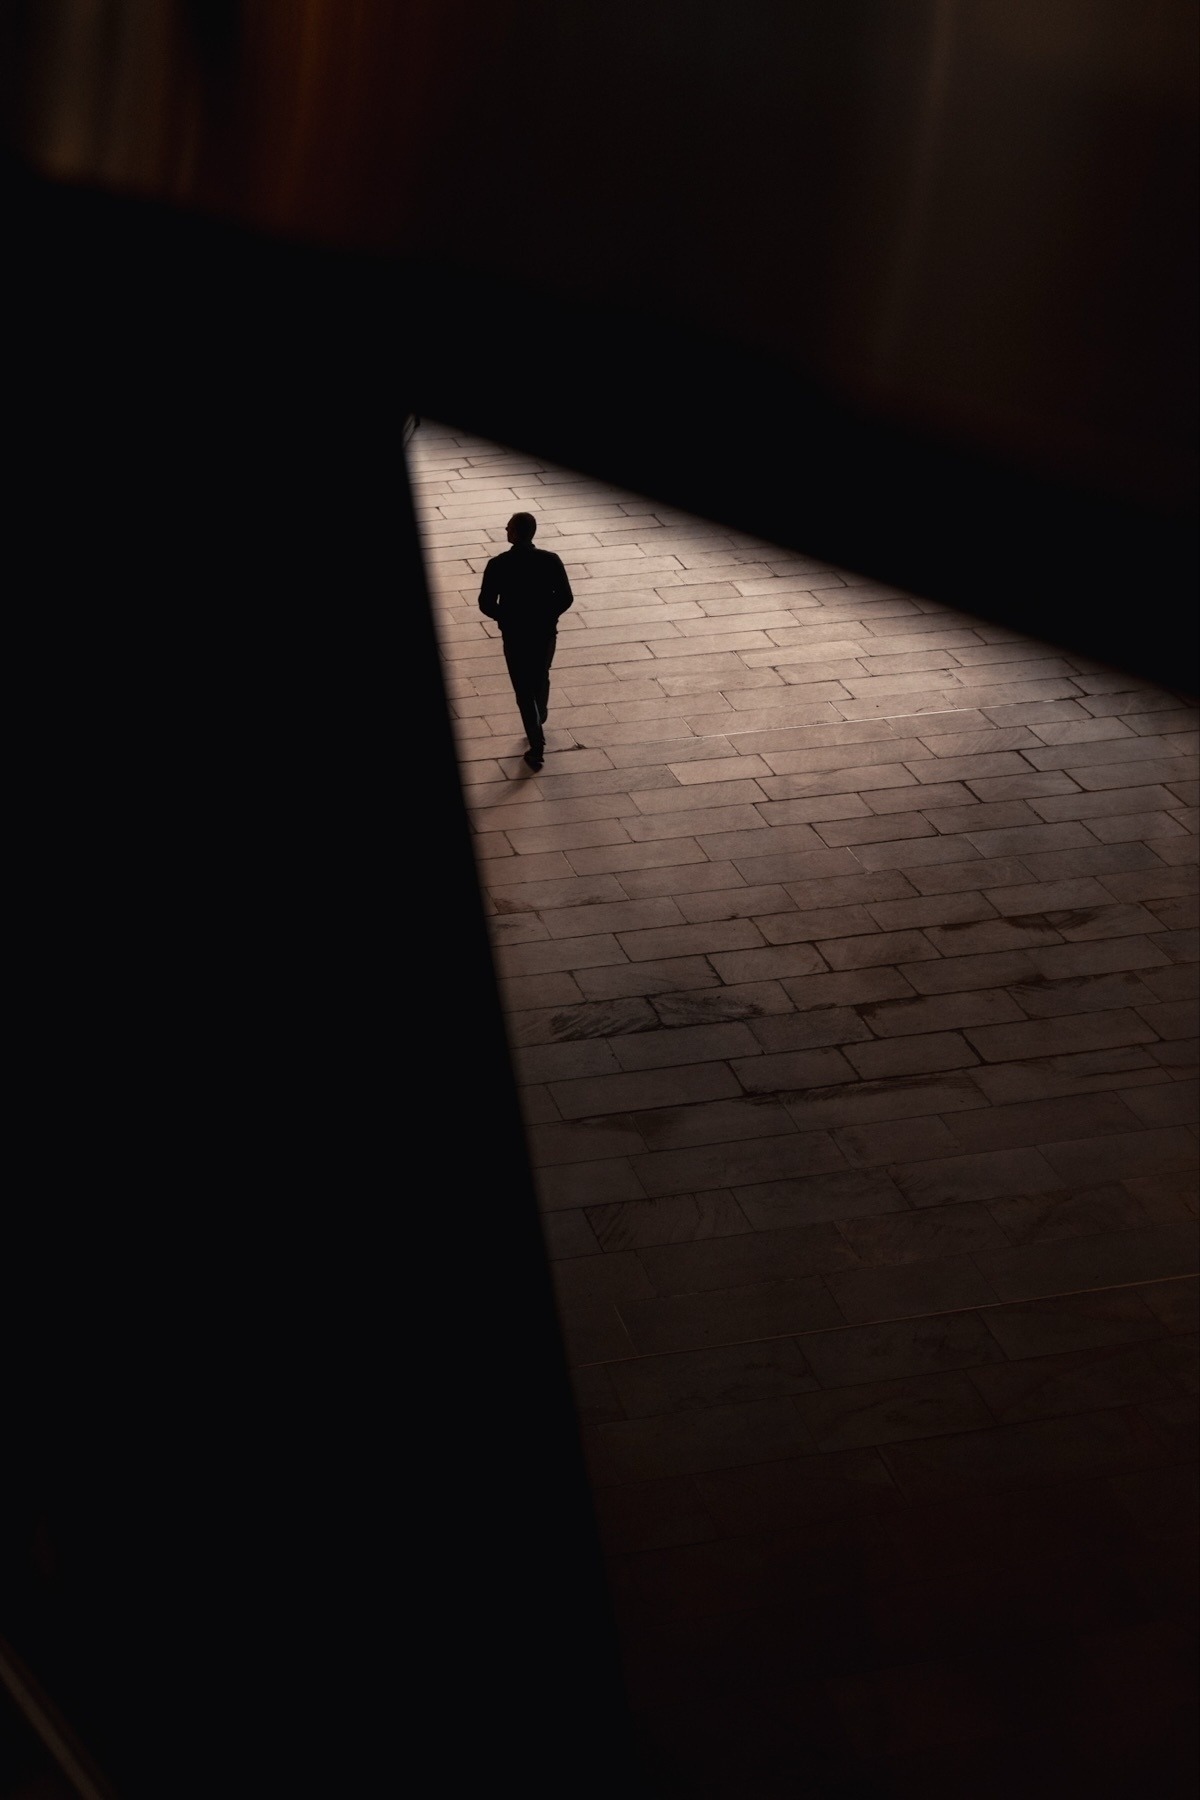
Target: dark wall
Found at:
974, 216
911, 287
965, 224
919, 280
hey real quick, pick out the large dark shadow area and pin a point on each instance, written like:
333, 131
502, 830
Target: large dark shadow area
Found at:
260, 1532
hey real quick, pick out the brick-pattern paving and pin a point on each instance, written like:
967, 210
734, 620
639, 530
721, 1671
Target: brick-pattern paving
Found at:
848, 946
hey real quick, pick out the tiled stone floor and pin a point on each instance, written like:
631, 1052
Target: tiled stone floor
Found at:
847, 945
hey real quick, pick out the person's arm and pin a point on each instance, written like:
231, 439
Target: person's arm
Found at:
489, 593
563, 597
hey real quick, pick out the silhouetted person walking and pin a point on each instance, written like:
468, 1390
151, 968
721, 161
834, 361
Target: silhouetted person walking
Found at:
525, 590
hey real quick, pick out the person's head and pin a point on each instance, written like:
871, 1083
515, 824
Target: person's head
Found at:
520, 528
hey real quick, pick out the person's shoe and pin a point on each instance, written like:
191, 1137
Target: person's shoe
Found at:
534, 758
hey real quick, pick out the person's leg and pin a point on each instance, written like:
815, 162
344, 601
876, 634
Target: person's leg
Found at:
525, 673
543, 697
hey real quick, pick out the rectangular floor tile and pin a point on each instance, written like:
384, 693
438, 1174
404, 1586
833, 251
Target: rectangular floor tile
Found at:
690, 1441
1084, 1212
1056, 1037
694, 1380
1047, 1387
746, 1259
963, 1011
839, 1194
1135, 1153
915, 1237
1151, 1253
907, 1291
941, 1181
888, 1412
738, 1164
768, 1074
791, 1493
1086, 1444
1080, 1321
693, 1321
642, 1089
900, 1349
1042, 1122
630, 1225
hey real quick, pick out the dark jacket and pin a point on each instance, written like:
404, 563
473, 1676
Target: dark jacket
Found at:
525, 590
